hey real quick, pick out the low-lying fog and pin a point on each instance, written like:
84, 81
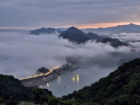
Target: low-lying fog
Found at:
132, 38
21, 54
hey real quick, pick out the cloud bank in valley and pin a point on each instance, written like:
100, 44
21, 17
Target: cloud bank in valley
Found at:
22, 54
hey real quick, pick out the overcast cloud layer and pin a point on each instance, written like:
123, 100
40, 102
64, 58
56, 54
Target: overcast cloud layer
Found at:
33, 13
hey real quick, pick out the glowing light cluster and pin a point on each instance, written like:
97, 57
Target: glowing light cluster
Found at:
42, 74
76, 78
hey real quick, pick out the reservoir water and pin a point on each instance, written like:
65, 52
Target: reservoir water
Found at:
75, 80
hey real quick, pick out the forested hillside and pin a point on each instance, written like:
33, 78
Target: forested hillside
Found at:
121, 87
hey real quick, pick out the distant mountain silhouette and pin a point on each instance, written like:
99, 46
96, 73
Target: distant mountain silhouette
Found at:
13, 30
130, 28
104, 39
93, 36
45, 31
76, 35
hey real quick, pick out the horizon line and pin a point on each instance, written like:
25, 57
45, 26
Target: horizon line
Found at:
82, 26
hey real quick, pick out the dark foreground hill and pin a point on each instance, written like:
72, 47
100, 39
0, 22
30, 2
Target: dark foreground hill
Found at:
13, 92
121, 87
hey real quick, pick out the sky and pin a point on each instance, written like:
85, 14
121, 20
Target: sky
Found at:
64, 13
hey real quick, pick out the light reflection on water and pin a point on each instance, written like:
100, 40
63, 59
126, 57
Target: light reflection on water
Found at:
73, 81
59, 79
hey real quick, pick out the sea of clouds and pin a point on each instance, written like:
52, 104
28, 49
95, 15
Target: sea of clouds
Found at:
21, 54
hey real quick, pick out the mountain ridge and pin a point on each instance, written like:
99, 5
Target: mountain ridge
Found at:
76, 35
44, 30
126, 28
129, 28
79, 37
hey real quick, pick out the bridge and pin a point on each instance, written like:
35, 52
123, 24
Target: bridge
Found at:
44, 78
38, 79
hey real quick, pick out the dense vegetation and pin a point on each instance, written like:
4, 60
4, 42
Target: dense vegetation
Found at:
13, 92
121, 87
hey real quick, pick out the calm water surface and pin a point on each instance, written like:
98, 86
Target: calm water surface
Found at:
75, 80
